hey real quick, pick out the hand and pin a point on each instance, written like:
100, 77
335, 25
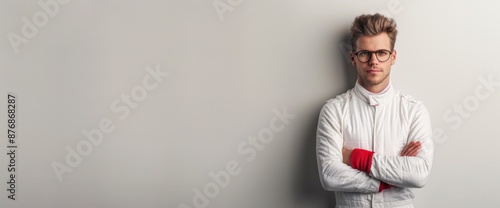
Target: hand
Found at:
411, 149
346, 156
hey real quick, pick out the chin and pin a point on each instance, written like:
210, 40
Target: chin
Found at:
372, 81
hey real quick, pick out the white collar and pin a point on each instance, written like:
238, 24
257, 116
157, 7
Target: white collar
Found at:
374, 99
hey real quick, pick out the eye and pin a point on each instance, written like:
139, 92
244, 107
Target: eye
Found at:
382, 53
364, 53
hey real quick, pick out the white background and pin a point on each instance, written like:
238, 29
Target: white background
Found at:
226, 76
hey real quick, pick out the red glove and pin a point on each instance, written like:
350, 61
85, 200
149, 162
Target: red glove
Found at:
362, 160
383, 186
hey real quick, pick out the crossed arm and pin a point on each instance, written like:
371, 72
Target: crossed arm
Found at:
410, 150
373, 172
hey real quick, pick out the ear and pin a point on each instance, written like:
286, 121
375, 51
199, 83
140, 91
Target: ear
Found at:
353, 61
394, 53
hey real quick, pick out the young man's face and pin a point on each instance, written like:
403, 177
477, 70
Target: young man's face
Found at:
374, 74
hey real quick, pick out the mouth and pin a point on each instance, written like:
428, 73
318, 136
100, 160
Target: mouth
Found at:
373, 71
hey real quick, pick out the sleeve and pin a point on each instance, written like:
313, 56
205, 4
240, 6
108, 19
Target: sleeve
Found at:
334, 174
410, 172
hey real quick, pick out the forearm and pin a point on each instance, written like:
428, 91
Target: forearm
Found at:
401, 171
336, 176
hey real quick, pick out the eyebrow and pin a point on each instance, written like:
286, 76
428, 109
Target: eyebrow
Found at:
374, 50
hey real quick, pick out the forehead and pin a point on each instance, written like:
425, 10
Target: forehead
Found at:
374, 42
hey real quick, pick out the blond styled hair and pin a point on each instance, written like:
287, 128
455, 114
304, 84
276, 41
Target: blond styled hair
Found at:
369, 25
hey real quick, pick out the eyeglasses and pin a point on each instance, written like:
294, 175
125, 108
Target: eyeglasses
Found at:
365, 56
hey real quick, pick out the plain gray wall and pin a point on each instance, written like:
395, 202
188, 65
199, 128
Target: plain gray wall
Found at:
229, 73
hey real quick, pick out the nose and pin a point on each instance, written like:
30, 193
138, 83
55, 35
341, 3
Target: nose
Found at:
373, 59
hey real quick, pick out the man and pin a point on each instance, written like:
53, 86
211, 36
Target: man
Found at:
373, 142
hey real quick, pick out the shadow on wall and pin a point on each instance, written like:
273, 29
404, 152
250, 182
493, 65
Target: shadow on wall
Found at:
345, 48
308, 186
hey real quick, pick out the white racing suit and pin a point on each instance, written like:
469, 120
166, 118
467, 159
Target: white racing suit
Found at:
383, 123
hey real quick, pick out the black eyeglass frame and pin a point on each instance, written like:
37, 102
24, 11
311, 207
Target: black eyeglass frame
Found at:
370, 53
